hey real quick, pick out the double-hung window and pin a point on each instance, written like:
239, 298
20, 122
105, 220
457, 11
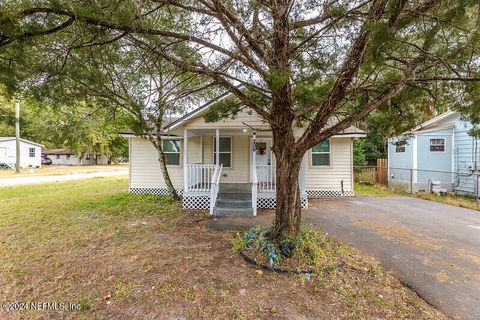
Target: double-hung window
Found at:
321, 154
171, 149
225, 154
437, 145
31, 152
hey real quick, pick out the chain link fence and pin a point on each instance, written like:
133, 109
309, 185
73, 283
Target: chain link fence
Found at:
419, 180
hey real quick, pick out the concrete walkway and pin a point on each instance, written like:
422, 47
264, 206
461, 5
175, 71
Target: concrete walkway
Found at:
434, 248
8, 182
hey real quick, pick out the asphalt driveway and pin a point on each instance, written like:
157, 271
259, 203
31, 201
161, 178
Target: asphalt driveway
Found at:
434, 248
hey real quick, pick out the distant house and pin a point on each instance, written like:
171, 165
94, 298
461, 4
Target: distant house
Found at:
228, 166
67, 157
440, 149
30, 152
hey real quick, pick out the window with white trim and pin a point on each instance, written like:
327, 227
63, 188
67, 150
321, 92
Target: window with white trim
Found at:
400, 148
225, 154
171, 149
437, 145
31, 152
321, 154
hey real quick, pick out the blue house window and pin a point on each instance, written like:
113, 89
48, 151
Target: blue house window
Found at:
437, 145
400, 148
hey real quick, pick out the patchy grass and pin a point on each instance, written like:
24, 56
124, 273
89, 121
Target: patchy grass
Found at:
123, 256
453, 199
363, 190
60, 170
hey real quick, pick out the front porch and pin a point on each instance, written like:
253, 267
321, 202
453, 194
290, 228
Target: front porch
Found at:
235, 181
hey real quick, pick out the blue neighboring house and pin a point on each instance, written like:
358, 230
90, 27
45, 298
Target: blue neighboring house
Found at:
440, 149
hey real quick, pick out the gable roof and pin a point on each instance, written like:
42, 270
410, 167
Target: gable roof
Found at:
2, 139
196, 112
434, 120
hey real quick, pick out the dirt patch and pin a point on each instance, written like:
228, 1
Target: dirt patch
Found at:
402, 235
442, 276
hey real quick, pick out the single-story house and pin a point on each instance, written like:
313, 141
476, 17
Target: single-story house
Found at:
67, 157
439, 150
30, 152
242, 172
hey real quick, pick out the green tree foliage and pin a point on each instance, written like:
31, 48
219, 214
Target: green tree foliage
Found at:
311, 60
359, 152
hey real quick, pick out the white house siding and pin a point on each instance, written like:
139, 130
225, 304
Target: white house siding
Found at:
240, 170
145, 173
327, 181
8, 153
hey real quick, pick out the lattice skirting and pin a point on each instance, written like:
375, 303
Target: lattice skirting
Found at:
196, 202
270, 202
159, 191
328, 194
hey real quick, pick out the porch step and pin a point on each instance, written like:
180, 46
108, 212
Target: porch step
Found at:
234, 196
233, 203
233, 211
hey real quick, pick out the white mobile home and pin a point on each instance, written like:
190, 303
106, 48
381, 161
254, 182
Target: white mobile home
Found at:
242, 172
30, 152
67, 157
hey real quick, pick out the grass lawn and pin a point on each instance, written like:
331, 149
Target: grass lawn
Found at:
60, 170
126, 256
363, 190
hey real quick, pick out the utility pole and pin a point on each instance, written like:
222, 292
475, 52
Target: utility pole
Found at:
17, 136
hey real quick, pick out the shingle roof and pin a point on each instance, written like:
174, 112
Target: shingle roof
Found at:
21, 139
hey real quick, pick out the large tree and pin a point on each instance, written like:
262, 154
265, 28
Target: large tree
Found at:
301, 62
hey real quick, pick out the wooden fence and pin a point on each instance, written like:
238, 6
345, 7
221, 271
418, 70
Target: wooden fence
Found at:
373, 175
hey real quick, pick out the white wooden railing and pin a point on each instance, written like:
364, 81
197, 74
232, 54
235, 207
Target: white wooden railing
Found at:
254, 191
199, 177
267, 177
214, 183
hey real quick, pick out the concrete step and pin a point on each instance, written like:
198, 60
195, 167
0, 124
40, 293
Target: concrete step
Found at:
234, 196
225, 203
233, 211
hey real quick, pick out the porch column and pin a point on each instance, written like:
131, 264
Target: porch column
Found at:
254, 149
217, 146
185, 160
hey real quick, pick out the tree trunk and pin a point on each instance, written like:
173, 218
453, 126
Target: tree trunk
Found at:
166, 176
288, 201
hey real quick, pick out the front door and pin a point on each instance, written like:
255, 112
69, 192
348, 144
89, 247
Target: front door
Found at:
264, 160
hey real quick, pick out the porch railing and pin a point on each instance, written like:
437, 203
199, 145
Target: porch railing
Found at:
267, 177
254, 191
214, 183
199, 177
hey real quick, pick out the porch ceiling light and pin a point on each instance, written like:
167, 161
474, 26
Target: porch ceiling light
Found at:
245, 130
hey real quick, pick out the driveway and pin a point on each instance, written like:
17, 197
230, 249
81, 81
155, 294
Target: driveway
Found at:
16, 181
434, 248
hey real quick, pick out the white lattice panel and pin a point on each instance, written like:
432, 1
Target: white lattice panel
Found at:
270, 203
196, 202
328, 194
159, 191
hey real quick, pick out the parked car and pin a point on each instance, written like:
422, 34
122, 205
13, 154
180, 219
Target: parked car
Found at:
46, 161
4, 166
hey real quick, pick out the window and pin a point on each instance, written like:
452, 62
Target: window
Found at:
58, 156
68, 157
400, 148
171, 149
225, 151
437, 145
31, 152
321, 154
